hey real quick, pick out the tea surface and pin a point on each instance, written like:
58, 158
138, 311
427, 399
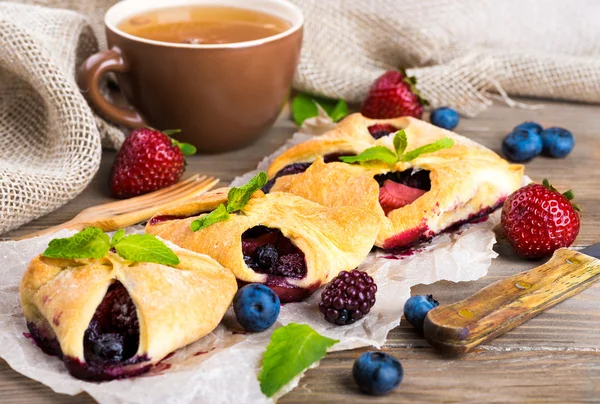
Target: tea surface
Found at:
203, 25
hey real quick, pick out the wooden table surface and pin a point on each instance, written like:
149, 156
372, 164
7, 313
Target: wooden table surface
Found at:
554, 357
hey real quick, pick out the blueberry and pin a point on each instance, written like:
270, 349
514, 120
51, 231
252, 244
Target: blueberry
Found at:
522, 145
266, 255
444, 117
109, 347
377, 372
417, 307
533, 126
557, 142
256, 307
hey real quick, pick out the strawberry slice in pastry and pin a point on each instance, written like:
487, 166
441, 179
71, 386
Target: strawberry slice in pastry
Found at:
393, 195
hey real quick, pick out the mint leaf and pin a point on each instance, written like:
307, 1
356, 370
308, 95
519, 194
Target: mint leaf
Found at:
117, 237
339, 111
444, 143
145, 248
237, 198
293, 348
304, 106
400, 142
218, 215
374, 153
91, 242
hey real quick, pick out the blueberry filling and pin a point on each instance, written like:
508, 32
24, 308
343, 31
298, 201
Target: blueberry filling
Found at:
411, 178
298, 168
381, 130
267, 251
113, 334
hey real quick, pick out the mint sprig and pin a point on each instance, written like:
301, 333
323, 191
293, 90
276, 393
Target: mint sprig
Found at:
292, 349
382, 153
145, 248
218, 215
237, 198
92, 242
304, 106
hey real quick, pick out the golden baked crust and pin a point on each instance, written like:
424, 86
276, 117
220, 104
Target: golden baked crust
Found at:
332, 239
175, 305
466, 180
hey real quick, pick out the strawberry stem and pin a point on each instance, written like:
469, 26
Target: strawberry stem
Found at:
170, 132
570, 195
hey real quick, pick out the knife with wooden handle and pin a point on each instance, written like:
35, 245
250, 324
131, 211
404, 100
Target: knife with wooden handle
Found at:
458, 328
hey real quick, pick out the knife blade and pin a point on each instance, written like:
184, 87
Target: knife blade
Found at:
457, 328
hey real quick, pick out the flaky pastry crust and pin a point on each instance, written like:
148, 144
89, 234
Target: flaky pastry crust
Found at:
332, 239
175, 305
467, 180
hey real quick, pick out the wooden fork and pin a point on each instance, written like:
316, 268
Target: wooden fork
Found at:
116, 215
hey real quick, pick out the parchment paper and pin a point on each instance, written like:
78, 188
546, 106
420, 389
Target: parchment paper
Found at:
223, 366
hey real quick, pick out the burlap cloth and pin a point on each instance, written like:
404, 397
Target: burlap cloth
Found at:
464, 54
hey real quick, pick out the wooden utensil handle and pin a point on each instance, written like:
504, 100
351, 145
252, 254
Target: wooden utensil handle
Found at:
503, 305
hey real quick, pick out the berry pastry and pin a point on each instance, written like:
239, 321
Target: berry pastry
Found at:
289, 243
108, 317
434, 180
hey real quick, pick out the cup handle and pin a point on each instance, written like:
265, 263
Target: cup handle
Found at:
88, 77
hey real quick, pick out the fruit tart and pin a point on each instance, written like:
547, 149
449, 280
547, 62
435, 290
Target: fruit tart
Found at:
284, 241
110, 317
416, 190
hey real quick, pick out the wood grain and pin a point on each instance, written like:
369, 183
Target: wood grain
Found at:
460, 327
554, 357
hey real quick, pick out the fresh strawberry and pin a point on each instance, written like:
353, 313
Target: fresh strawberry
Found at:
393, 195
148, 160
392, 95
538, 220
381, 129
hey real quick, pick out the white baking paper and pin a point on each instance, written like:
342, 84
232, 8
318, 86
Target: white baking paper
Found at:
223, 366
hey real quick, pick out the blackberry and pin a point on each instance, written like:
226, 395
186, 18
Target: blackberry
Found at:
266, 256
348, 298
292, 265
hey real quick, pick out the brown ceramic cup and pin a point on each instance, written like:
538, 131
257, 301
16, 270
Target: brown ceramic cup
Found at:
222, 96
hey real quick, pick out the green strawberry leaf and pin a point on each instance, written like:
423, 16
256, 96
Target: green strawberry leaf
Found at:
412, 82
187, 149
304, 106
218, 215
375, 153
237, 198
91, 242
569, 195
117, 237
145, 248
400, 142
292, 349
444, 143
